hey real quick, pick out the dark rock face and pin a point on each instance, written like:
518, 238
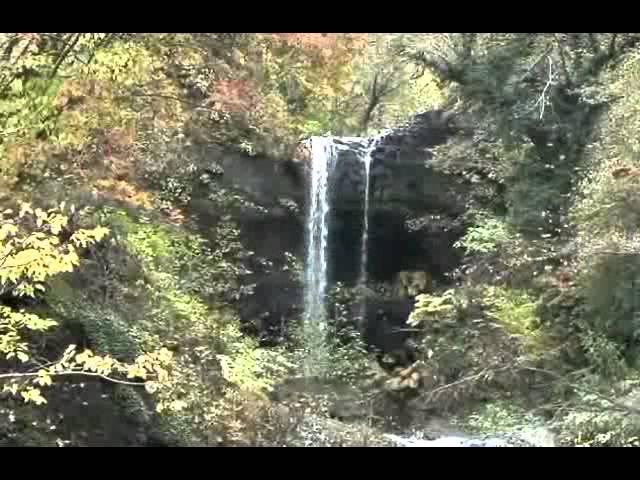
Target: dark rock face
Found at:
413, 219
276, 299
273, 223
264, 198
393, 245
414, 210
399, 173
385, 330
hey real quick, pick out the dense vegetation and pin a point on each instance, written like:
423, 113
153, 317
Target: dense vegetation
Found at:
105, 271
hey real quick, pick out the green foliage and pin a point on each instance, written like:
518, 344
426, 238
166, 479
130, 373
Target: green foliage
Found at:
606, 204
430, 307
487, 234
32, 252
603, 355
610, 290
181, 302
517, 313
173, 255
329, 351
599, 429
12, 324
466, 353
529, 132
251, 369
385, 88
293, 265
498, 417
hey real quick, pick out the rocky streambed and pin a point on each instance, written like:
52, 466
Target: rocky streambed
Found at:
333, 414
525, 437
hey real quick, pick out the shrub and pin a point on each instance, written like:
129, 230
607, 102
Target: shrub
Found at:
610, 289
486, 235
329, 351
517, 313
180, 301
599, 429
602, 354
498, 417
34, 246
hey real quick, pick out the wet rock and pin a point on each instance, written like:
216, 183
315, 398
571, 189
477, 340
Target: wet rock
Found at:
538, 436
452, 441
345, 409
409, 378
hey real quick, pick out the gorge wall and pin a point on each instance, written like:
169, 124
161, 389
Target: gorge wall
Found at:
414, 217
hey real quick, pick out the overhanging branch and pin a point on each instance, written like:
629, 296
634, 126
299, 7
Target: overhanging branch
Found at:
10, 376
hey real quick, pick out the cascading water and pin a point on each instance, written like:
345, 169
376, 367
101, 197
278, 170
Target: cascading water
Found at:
362, 280
364, 253
314, 327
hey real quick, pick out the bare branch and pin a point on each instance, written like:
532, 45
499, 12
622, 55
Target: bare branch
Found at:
8, 376
468, 378
65, 54
593, 41
614, 403
543, 100
7, 84
612, 44
565, 379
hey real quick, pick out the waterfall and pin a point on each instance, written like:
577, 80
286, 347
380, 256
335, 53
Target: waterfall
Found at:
362, 279
313, 326
364, 251
324, 152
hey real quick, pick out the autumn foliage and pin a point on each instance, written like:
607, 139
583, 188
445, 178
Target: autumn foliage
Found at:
234, 95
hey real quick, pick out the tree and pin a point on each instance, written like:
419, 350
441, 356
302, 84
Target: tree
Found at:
36, 245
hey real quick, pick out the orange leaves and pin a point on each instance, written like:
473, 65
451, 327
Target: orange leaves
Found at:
324, 50
116, 141
173, 215
309, 40
82, 88
29, 36
322, 41
234, 95
123, 191
622, 172
23, 159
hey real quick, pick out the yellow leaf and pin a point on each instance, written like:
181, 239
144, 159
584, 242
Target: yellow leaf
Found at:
6, 230
33, 395
43, 379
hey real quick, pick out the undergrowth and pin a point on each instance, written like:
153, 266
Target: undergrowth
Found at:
178, 300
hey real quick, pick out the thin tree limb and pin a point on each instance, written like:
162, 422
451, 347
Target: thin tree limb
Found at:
593, 41
8, 83
615, 403
543, 100
8, 376
612, 44
468, 378
65, 54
